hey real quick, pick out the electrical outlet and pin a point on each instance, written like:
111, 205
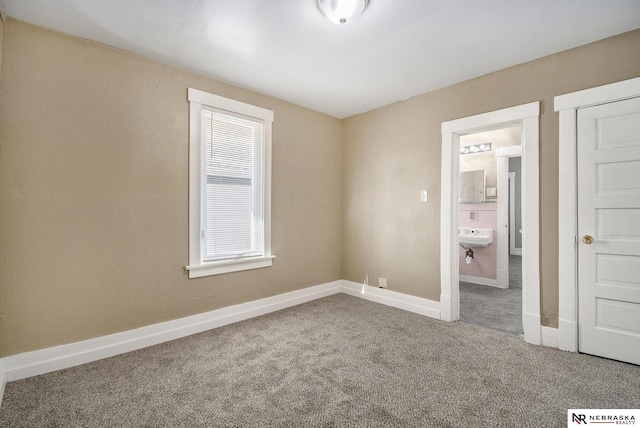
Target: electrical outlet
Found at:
382, 282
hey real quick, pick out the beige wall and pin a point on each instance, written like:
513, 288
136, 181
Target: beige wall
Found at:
93, 189
392, 153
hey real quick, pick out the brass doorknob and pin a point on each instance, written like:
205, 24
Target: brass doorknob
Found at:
587, 239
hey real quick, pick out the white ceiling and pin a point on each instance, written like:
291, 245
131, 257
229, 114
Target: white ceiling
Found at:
287, 49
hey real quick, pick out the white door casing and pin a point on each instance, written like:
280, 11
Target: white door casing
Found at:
527, 116
609, 230
513, 250
568, 106
503, 154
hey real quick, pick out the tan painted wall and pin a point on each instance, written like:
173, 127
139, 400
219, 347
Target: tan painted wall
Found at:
392, 153
93, 189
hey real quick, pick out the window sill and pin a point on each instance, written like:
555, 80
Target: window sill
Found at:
227, 266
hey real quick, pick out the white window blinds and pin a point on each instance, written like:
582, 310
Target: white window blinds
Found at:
232, 211
229, 185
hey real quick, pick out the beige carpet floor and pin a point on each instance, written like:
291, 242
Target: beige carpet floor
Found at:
335, 362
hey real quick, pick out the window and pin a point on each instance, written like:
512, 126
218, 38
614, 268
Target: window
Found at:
229, 185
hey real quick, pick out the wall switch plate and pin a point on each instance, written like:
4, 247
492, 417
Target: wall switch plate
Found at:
424, 197
491, 191
382, 282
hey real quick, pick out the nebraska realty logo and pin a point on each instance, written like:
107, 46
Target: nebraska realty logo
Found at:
580, 417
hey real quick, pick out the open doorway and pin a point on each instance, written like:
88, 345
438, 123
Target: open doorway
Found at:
490, 269
526, 116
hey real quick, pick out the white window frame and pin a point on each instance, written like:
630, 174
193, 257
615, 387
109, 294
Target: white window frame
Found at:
197, 267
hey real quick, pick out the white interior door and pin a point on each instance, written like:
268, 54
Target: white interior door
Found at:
609, 214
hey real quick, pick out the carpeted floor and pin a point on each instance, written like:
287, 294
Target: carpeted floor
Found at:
337, 361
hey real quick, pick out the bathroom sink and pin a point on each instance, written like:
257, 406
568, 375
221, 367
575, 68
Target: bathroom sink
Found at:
475, 237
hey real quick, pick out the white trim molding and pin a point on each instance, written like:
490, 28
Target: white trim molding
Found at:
226, 266
479, 280
198, 266
503, 211
568, 105
47, 360
387, 297
527, 116
550, 337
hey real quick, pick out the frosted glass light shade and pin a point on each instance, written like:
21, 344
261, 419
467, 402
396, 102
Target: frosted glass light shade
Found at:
342, 11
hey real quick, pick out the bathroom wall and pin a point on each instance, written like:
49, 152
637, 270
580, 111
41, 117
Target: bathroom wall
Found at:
487, 160
483, 267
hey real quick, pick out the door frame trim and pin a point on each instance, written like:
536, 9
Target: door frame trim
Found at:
513, 250
503, 245
527, 116
568, 105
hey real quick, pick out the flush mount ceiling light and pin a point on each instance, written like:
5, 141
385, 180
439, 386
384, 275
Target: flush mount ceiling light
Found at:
484, 147
342, 11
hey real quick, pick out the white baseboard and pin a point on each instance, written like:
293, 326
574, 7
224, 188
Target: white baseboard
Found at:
21, 366
568, 335
549, 336
532, 330
387, 297
479, 280
42, 361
